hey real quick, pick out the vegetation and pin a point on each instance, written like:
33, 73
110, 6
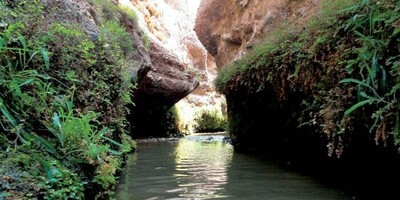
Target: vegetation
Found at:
344, 64
182, 119
62, 100
210, 120
174, 124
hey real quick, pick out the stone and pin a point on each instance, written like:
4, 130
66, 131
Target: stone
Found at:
228, 29
180, 64
160, 86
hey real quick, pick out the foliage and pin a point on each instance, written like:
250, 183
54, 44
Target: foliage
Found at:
61, 183
113, 33
146, 41
355, 43
21, 11
20, 170
62, 101
375, 64
129, 12
106, 10
210, 120
173, 124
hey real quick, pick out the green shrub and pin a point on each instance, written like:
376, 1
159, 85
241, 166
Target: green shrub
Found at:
173, 124
210, 120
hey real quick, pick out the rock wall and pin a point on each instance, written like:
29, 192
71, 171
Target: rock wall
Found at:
229, 28
293, 91
179, 61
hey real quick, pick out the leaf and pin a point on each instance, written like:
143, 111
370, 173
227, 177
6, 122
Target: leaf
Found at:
384, 79
117, 153
22, 40
48, 146
57, 123
32, 55
45, 58
362, 36
3, 139
352, 80
26, 82
365, 95
46, 166
1, 43
8, 116
113, 141
394, 89
102, 131
357, 105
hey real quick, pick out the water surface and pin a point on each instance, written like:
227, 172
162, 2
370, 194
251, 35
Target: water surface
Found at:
205, 167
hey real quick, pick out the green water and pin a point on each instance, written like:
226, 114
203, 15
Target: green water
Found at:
204, 167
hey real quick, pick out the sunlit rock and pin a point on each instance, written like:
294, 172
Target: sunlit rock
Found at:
179, 61
228, 29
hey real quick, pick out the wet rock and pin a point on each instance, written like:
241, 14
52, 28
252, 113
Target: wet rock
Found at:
227, 140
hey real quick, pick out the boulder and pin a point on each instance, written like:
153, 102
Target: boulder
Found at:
160, 86
179, 63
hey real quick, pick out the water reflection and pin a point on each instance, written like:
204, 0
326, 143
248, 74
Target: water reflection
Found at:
200, 167
201, 170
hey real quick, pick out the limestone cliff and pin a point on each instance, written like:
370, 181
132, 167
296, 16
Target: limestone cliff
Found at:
176, 53
228, 28
311, 81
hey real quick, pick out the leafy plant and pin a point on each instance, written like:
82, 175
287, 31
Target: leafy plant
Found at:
61, 183
210, 120
24, 90
374, 25
48, 86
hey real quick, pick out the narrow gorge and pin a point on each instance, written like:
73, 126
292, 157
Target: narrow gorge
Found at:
199, 99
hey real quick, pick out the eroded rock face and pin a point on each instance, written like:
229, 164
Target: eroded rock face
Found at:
229, 28
161, 85
180, 64
166, 77
170, 24
82, 14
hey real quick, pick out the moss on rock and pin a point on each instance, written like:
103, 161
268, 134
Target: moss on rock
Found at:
330, 89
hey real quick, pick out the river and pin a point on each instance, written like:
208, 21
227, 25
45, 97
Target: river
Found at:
206, 167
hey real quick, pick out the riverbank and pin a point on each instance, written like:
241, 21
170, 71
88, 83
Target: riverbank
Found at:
329, 87
65, 82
